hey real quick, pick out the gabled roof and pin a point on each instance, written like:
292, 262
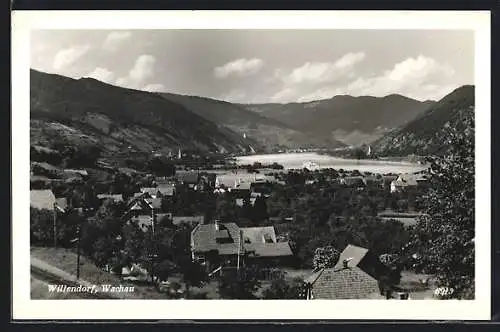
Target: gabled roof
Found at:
349, 283
258, 234
42, 199
352, 253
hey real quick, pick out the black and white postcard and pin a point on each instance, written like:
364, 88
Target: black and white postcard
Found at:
336, 163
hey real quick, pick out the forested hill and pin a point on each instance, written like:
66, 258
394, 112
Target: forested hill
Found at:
352, 120
118, 119
428, 133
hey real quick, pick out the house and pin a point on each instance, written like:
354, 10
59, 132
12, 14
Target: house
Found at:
387, 180
355, 276
407, 181
353, 181
190, 179
226, 244
117, 198
241, 189
142, 211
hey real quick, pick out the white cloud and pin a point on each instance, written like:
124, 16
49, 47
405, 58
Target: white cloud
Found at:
142, 71
311, 81
143, 68
67, 57
115, 39
102, 74
239, 67
317, 72
418, 77
155, 87
421, 78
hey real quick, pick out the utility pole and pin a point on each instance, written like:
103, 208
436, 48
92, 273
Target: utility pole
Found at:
78, 252
153, 242
55, 225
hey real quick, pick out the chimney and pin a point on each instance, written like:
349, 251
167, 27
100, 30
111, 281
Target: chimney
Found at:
216, 223
345, 262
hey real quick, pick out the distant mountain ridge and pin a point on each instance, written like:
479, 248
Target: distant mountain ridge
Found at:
426, 134
119, 119
352, 120
267, 131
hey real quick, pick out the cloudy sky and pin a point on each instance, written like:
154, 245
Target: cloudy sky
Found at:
260, 66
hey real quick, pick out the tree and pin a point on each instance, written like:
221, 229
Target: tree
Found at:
281, 289
260, 210
325, 257
193, 275
443, 241
236, 287
41, 226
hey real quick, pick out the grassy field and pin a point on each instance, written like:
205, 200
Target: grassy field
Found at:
65, 260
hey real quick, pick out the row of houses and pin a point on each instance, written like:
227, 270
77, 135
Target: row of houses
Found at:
394, 183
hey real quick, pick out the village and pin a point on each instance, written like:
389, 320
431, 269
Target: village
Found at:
234, 231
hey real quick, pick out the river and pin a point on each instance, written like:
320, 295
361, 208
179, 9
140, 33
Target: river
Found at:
296, 161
